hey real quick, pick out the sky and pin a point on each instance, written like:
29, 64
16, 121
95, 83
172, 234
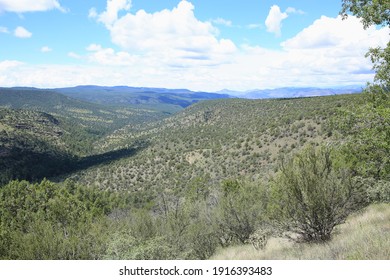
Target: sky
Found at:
200, 45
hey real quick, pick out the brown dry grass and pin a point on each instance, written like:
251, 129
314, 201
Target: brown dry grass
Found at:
364, 236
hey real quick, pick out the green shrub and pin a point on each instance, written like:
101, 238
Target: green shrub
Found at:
241, 208
52, 221
312, 196
379, 192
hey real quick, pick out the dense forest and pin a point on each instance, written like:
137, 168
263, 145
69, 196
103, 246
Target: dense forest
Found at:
189, 175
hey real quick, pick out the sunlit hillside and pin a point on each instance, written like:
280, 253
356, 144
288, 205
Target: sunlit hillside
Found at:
364, 236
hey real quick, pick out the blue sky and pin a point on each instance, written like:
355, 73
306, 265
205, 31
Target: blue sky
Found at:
195, 44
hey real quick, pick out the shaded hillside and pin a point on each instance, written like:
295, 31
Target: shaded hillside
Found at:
216, 139
168, 100
35, 145
32, 145
46, 134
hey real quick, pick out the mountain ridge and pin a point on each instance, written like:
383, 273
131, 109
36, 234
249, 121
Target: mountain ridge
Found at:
170, 100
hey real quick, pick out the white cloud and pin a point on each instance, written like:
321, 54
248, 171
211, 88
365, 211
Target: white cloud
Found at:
110, 15
291, 10
222, 21
74, 55
275, 17
329, 52
332, 50
273, 22
302, 62
22, 6
176, 36
7, 68
3, 29
22, 32
108, 56
46, 49
93, 48
49, 76
254, 26
7, 64
336, 33
92, 13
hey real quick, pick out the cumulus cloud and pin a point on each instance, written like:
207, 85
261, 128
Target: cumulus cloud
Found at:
22, 32
110, 15
273, 22
275, 17
46, 49
108, 56
327, 53
334, 33
176, 35
22, 6
333, 49
307, 60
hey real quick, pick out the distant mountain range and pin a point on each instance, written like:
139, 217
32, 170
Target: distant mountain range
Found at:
289, 92
170, 100
176, 99
156, 99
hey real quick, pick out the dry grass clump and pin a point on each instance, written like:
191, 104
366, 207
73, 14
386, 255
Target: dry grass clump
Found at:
364, 236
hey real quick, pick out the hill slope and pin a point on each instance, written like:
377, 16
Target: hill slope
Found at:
45, 134
215, 139
92, 115
32, 145
364, 236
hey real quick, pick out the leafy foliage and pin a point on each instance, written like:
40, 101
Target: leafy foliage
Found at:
366, 127
241, 209
375, 12
314, 196
52, 221
365, 136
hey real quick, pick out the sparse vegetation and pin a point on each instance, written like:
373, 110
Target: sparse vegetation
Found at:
189, 185
364, 236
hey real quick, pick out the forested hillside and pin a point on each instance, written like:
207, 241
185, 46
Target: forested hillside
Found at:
46, 134
217, 140
96, 117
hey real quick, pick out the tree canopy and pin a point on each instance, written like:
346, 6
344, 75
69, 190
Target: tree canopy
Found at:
372, 12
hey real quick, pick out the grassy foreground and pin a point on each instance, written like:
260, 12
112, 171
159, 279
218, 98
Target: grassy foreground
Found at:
364, 236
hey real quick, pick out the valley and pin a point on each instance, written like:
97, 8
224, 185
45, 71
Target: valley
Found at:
157, 183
